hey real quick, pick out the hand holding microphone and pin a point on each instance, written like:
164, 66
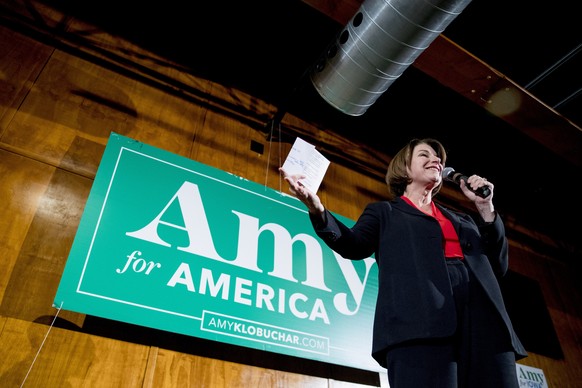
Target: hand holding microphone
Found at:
450, 175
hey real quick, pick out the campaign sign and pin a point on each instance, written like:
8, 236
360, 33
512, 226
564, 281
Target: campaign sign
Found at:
530, 377
169, 243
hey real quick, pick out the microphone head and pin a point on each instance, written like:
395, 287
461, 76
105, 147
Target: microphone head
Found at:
448, 173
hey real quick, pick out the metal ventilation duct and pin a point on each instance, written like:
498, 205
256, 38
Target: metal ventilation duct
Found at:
382, 39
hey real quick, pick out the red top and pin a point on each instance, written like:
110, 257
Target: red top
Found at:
451, 240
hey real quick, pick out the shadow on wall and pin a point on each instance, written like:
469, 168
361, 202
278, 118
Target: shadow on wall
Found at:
530, 316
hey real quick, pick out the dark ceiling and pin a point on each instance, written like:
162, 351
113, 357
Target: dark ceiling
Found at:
265, 47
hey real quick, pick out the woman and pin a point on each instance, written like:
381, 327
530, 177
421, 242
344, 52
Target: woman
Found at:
440, 319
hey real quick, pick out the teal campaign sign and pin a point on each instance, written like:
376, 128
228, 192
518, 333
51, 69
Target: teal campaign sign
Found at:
172, 244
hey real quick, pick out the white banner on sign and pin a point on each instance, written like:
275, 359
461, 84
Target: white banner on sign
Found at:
530, 377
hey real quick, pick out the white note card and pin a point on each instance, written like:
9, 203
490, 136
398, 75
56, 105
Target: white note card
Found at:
305, 159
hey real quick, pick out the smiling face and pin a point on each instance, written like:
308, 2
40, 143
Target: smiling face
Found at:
419, 163
425, 166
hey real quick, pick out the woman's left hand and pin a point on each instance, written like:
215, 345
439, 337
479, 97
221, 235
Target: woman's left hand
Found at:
484, 205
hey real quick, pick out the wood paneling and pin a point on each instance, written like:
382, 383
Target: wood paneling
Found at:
23, 183
22, 59
174, 369
67, 358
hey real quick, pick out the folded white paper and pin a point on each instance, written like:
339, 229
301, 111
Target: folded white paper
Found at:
306, 160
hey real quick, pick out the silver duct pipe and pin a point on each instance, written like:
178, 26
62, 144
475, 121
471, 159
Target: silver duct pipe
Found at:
382, 39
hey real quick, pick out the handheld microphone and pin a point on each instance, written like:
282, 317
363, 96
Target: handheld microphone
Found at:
450, 175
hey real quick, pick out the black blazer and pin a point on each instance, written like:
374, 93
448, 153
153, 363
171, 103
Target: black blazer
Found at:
415, 298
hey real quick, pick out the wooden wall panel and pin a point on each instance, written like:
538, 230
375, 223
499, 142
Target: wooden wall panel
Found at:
173, 369
22, 184
220, 141
67, 358
55, 112
347, 193
74, 99
21, 60
42, 256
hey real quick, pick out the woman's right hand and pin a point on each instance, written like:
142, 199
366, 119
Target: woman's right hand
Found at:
309, 198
